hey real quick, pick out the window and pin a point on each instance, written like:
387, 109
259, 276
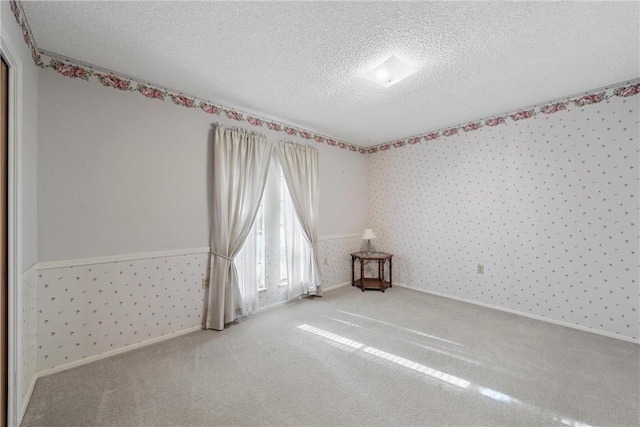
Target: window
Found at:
276, 257
260, 247
266, 240
283, 243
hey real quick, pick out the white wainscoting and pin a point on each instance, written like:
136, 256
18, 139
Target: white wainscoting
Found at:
87, 308
92, 308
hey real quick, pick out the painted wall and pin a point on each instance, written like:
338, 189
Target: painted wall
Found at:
121, 174
548, 204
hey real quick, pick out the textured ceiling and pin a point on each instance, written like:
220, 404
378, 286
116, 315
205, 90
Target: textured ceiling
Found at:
299, 62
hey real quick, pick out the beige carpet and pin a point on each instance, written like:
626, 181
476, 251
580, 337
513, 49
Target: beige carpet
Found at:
353, 358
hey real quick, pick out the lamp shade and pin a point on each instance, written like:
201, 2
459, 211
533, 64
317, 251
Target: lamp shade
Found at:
368, 234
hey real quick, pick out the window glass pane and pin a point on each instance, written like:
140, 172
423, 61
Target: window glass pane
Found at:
260, 247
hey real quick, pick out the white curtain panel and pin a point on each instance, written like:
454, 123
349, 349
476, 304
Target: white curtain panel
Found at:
299, 165
240, 165
298, 252
248, 270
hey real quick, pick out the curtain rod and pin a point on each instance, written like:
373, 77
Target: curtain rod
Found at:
284, 141
239, 129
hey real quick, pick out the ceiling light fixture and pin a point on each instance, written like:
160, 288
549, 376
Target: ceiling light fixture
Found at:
390, 72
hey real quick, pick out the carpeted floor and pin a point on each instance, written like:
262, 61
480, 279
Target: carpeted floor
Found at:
353, 358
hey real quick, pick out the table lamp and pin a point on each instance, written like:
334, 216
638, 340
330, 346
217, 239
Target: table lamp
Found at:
368, 235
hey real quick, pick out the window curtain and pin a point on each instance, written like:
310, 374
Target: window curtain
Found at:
247, 270
300, 170
240, 165
298, 252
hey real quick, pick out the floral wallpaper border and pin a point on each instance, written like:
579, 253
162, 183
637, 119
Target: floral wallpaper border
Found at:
72, 69
21, 19
114, 80
627, 89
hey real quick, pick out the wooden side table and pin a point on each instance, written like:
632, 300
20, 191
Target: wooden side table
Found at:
367, 282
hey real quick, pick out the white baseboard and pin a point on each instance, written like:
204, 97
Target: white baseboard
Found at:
520, 313
143, 344
330, 288
270, 306
281, 303
97, 357
25, 404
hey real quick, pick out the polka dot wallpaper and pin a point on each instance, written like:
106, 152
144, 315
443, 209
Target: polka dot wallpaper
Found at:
88, 310
29, 341
335, 259
548, 205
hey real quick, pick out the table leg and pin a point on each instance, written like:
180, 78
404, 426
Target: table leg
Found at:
362, 275
382, 280
390, 273
353, 275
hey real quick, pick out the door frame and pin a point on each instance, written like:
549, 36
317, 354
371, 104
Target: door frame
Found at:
14, 255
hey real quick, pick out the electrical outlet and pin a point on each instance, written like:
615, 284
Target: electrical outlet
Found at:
205, 282
480, 269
